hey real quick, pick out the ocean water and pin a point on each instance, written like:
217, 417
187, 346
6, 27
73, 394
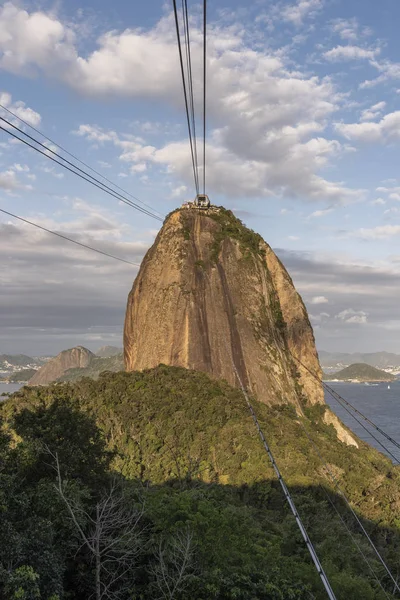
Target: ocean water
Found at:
380, 404
8, 388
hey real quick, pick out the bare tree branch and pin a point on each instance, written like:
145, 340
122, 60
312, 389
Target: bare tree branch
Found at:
114, 538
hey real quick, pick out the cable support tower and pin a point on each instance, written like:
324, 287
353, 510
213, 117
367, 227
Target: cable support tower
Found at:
68, 239
77, 158
86, 176
310, 547
359, 522
204, 90
343, 403
185, 93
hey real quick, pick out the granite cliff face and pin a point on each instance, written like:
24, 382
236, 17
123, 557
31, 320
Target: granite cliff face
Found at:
73, 358
212, 296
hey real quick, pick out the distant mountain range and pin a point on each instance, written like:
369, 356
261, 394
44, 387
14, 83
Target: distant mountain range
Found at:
334, 361
19, 367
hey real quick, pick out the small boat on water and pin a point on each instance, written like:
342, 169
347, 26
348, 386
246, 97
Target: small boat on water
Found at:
388, 387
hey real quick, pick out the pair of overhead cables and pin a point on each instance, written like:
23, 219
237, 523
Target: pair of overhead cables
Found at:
300, 524
188, 88
69, 166
6, 126
312, 551
355, 413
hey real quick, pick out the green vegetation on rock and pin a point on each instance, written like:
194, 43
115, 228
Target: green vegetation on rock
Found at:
184, 450
251, 243
360, 372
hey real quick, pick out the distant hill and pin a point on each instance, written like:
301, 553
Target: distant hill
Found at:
361, 372
96, 366
22, 376
57, 366
15, 360
107, 351
380, 360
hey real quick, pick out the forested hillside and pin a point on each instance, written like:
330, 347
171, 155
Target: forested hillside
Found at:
166, 467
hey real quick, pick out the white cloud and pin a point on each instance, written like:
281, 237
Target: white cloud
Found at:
19, 108
352, 316
20, 168
345, 53
293, 238
178, 191
349, 29
138, 168
319, 300
374, 112
52, 171
386, 130
320, 213
10, 182
378, 201
392, 192
296, 13
94, 133
271, 118
382, 232
387, 69
33, 40
319, 318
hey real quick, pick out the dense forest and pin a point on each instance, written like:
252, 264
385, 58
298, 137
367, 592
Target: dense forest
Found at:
155, 485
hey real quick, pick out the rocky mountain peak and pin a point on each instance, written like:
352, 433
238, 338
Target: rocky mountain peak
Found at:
78, 357
211, 295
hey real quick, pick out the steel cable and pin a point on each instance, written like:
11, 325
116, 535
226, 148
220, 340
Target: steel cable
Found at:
190, 78
78, 159
343, 403
185, 94
204, 90
108, 191
68, 239
92, 180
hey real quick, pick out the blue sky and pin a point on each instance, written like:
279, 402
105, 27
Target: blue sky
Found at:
302, 143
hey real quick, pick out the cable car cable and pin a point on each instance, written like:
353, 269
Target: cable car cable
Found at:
104, 187
376, 427
77, 159
204, 90
190, 78
68, 239
185, 93
347, 501
310, 547
339, 400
